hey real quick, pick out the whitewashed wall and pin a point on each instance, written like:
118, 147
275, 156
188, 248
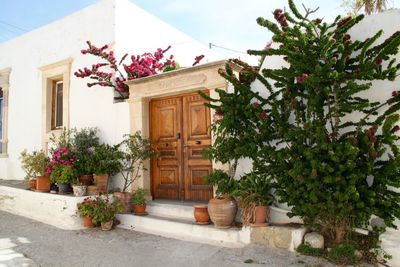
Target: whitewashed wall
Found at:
115, 22
143, 32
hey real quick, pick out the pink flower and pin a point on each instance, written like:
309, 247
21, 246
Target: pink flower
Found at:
302, 78
197, 60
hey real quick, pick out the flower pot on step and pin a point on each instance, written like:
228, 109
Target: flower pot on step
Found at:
102, 182
43, 184
79, 190
88, 222
86, 179
32, 184
139, 209
222, 211
126, 200
92, 190
201, 215
63, 188
107, 226
260, 216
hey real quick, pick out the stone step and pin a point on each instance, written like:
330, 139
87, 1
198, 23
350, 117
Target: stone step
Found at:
171, 209
185, 230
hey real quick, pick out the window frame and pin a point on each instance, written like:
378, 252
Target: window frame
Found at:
5, 86
54, 105
58, 71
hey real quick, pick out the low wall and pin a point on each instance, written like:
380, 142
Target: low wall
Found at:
53, 209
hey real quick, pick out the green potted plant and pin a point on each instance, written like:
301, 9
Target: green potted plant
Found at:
34, 164
63, 175
86, 211
135, 150
105, 210
83, 142
106, 162
222, 208
139, 201
254, 191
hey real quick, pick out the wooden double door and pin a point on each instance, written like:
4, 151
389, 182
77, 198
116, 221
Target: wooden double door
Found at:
179, 128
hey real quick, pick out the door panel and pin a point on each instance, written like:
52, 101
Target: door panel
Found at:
180, 131
165, 127
196, 138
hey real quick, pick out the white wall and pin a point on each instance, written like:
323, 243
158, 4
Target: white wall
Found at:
115, 22
46, 45
138, 31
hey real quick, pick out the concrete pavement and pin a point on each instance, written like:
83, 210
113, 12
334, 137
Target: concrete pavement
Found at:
24, 242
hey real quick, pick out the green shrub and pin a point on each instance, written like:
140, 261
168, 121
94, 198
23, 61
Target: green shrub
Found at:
343, 254
310, 251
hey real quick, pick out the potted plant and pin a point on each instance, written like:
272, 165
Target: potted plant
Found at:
223, 207
135, 150
83, 143
61, 168
63, 175
86, 211
254, 191
34, 164
78, 188
105, 210
139, 201
106, 162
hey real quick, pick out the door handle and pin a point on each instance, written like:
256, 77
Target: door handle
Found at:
198, 142
178, 136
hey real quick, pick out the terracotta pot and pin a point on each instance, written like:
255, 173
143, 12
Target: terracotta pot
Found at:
201, 215
222, 211
43, 184
88, 222
126, 200
86, 179
107, 226
101, 181
92, 190
139, 209
260, 216
79, 190
63, 188
32, 184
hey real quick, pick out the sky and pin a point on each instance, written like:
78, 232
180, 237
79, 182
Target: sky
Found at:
229, 25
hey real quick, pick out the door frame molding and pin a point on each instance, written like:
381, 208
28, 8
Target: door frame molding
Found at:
177, 82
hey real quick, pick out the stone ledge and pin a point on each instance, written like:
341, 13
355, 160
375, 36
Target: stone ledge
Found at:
52, 209
284, 237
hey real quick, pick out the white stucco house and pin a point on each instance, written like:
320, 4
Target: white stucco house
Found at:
30, 63
37, 65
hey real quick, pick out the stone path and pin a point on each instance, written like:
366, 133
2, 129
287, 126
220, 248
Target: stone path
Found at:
24, 242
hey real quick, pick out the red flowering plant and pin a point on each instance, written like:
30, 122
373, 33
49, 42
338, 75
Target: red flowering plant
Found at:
119, 73
61, 167
100, 208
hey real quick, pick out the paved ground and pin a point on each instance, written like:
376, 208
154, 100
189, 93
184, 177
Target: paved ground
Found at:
24, 242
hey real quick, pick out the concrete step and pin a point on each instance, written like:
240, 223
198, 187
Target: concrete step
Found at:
171, 209
390, 244
186, 230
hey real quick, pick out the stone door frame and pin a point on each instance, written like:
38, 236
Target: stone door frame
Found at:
181, 81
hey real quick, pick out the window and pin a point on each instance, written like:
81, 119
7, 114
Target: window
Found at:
55, 99
57, 105
4, 88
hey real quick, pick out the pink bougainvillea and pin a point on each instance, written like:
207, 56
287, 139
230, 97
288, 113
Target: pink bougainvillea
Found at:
115, 74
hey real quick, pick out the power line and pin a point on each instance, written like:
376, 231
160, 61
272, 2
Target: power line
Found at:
229, 49
14, 26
